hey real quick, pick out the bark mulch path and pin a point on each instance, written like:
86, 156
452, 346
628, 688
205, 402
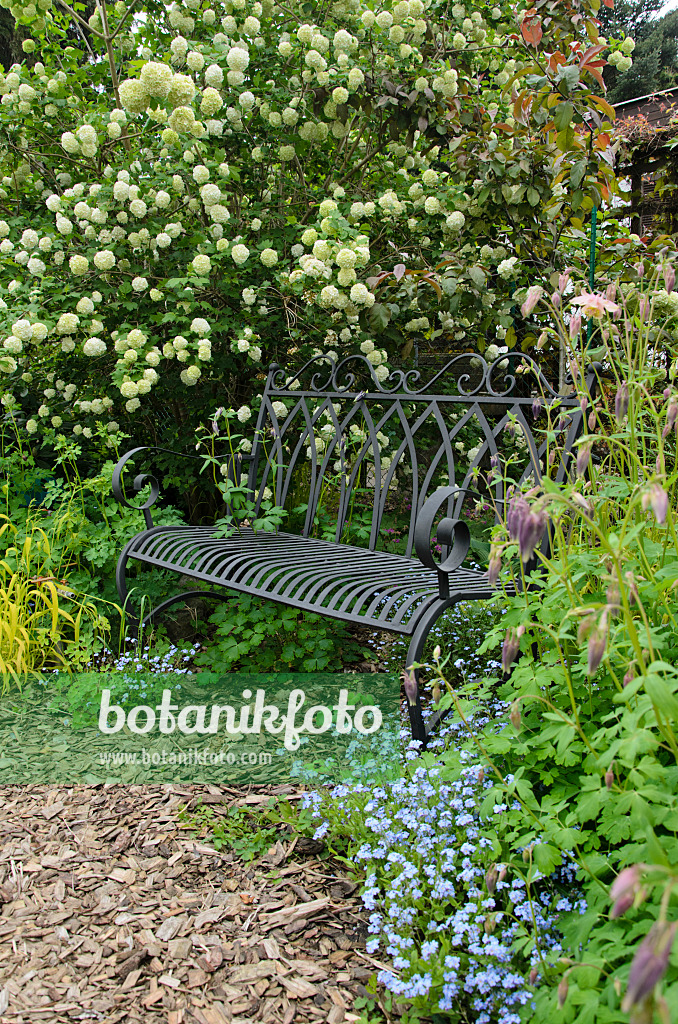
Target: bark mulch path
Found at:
111, 910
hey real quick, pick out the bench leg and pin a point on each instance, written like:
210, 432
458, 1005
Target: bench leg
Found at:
131, 621
136, 626
421, 730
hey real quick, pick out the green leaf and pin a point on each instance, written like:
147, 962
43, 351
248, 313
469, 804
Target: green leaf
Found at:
563, 115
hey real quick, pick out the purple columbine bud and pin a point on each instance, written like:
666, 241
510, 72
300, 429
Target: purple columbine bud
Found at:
583, 456
509, 651
410, 684
534, 974
611, 291
609, 776
515, 716
669, 277
621, 402
562, 281
584, 403
541, 340
639, 269
592, 419
650, 963
436, 692
644, 307
629, 675
556, 299
657, 498
597, 644
493, 569
518, 508
625, 885
672, 413
491, 878
563, 987
536, 407
632, 585
531, 532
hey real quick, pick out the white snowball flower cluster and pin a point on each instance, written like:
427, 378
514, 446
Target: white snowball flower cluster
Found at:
202, 265
190, 376
79, 265
455, 221
104, 259
269, 257
94, 347
200, 326
240, 253
139, 284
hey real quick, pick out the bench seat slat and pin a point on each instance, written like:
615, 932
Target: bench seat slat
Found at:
373, 588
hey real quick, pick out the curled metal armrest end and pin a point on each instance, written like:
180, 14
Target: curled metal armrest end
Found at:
453, 534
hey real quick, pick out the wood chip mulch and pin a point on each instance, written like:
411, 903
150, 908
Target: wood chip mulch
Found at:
111, 910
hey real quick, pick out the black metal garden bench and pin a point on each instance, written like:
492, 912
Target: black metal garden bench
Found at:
341, 436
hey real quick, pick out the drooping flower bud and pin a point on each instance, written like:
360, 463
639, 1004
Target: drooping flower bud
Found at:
491, 878
534, 974
597, 644
575, 325
536, 407
669, 277
639, 269
437, 652
609, 776
556, 299
534, 293
658, 499
611, 291
592, 419
650, 963
530, 533
624, 888
410, 685
514, 716
435, 692
629, 675
583, 456
644, 307
509, 651
563, 987
621, 402
563, 280
493, 569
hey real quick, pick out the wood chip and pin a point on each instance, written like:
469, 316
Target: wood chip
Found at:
298, 988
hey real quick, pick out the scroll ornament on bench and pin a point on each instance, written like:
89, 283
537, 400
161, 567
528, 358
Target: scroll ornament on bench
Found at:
452, 533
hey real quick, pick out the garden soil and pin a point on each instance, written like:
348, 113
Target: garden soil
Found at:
111, 910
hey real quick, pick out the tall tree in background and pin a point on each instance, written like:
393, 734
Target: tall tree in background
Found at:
655, 58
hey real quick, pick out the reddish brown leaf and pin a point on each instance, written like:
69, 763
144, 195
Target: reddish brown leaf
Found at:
531, 29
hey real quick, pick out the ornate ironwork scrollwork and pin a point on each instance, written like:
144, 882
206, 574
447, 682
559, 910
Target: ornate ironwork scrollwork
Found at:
140, 481
452, 534
324, 374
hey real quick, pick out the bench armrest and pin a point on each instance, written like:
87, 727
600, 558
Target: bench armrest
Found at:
146, 478
453, 534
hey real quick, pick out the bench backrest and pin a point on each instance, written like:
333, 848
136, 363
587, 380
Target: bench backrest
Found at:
322, 432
